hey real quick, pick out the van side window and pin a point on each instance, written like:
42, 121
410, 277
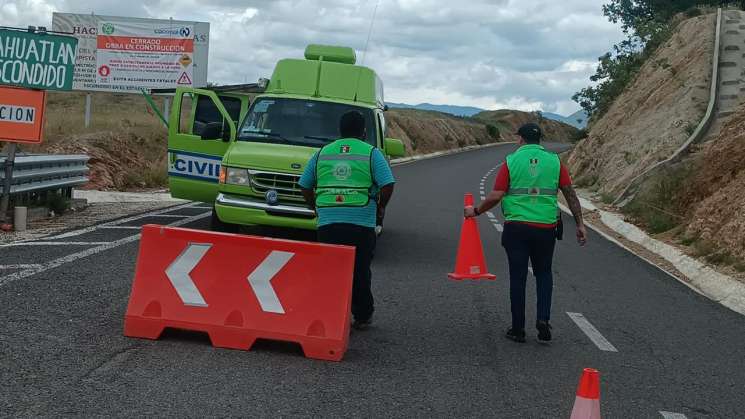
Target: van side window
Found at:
381, 121
207, 111
185, 123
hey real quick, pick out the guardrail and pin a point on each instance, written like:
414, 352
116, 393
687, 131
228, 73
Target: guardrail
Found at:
628, 194
39, 173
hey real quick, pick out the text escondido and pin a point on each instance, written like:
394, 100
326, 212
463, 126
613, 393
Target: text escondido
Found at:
31, 61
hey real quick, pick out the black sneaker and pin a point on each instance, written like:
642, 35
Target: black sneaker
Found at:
544, 331
518, 336
361, 324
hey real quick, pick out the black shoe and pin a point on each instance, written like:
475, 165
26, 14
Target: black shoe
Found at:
362, 324
544, 331
518, 336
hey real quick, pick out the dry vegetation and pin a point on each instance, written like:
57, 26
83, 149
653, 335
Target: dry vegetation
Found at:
655, 114
128, 144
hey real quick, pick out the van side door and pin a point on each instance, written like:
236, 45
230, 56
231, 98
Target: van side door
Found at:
201, 128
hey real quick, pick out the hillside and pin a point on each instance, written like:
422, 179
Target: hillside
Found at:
425, 131
508, 122
577, 119
449, 109
711, 201
128, 145
654, 116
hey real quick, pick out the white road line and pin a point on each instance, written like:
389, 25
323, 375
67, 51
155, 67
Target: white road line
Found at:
120, 227
121, 221
530, 269
671, 415
491, 215
171, 215
598, 339
24, 244
21, 266
4, 280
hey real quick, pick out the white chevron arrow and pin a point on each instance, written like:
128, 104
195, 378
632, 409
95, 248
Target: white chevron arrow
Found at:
260, 280
178, 274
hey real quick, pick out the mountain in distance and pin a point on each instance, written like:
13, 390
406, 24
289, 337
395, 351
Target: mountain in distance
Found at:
471, 111
449, 109
577, 119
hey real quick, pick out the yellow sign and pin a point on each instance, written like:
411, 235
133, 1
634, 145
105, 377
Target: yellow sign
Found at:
185, 60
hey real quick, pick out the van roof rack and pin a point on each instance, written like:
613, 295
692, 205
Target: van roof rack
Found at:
241, 88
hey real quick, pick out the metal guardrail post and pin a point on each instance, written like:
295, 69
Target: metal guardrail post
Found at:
8, 181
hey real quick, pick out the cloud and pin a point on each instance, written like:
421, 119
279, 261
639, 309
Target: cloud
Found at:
525, 54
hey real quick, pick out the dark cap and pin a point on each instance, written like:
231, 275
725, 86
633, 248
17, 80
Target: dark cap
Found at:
530, 132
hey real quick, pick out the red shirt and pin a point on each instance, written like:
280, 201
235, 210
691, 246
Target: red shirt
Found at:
502, 184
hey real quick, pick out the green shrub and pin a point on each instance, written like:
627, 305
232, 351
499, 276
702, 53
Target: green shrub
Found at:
57, 203
493, 131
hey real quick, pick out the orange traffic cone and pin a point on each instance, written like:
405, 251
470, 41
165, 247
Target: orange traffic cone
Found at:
470, 263
587, 403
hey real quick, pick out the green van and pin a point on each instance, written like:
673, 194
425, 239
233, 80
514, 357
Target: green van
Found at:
245, 154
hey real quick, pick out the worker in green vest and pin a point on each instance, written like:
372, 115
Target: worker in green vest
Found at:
527, 186
349, 183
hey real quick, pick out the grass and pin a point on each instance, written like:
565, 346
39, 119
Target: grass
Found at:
656, 207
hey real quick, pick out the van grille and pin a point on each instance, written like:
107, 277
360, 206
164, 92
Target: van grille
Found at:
285, 184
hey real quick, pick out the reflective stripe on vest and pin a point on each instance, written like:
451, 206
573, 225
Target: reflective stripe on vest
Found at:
534, 183
344, 174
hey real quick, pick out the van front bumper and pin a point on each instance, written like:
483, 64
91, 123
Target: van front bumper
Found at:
235, 209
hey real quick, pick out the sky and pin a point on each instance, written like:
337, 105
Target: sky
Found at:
493, 54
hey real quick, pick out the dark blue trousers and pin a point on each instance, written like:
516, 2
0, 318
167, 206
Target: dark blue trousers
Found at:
524, 244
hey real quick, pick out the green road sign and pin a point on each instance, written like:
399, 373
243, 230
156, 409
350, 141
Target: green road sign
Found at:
37, 61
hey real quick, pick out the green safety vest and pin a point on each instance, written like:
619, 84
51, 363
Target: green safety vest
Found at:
344, 174
534, 184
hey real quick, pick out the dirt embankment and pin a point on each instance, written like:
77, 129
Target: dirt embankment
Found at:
425, 131
509, 121
128, 144
713, 198
654, 116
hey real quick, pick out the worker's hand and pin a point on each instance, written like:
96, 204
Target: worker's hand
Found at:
469, 212
581, 235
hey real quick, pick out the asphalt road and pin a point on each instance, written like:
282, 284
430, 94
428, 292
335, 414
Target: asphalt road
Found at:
436, 350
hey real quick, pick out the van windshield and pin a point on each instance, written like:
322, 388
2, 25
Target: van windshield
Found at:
301, 122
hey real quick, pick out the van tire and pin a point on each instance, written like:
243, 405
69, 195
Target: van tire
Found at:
219, 226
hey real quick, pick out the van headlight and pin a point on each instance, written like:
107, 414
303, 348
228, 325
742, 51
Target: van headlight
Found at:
235, 176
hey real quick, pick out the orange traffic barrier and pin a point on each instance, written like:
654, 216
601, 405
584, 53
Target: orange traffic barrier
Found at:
587, 402
240, 288
470, 262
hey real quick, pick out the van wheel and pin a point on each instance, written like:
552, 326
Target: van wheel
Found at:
221, 227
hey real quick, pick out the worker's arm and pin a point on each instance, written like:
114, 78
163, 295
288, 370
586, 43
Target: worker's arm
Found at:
307, 182
386, 192
491, 201
571, 197
310, 198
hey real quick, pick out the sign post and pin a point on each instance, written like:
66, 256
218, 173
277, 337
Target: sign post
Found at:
7, 181
32, 62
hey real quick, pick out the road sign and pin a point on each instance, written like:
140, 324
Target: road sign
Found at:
240, 288
88, 74
21, 115
37, 60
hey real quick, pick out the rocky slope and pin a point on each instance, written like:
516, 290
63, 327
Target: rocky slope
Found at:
426, 131
508, 122
654, 116
713, 199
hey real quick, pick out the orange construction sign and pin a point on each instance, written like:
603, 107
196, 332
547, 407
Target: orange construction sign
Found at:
21, 115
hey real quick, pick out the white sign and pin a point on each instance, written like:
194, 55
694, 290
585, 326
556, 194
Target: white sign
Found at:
20, 114
191, 67
143, 55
